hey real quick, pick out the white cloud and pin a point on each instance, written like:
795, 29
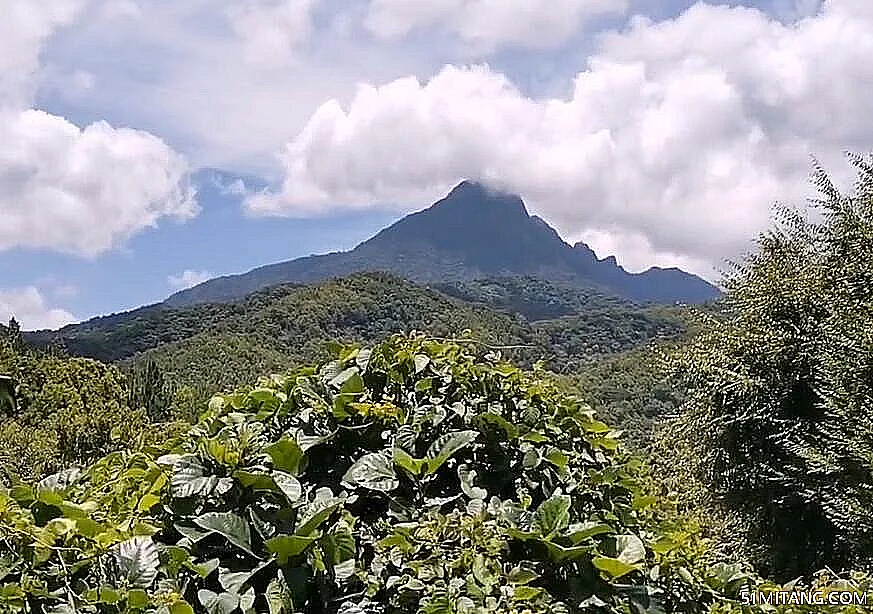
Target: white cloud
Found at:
29, 307
189, 279
677, 138
84, 191
24, 27
236, 79
63, 188
490, 23
272, 30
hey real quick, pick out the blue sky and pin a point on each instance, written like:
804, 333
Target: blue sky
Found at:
147, 144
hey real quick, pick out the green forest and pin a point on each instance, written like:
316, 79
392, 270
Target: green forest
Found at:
505, 445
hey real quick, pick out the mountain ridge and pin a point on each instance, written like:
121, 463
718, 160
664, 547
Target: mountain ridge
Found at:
473, 232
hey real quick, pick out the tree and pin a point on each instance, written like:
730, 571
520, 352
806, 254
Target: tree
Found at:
780, 393
7, 395
149, 390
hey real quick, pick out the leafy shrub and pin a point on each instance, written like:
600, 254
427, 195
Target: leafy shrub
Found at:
780, 392
413, 477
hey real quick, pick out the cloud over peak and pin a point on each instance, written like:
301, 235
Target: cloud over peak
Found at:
188, 279
675, 141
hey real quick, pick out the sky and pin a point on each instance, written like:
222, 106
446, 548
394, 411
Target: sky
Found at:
147, 145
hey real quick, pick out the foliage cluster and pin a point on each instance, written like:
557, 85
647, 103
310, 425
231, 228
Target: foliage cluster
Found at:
65, 410
780, 392
418, 476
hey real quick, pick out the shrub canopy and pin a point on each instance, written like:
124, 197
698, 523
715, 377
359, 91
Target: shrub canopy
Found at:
414, 477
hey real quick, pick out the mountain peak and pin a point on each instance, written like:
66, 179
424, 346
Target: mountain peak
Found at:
475, 231
471, 193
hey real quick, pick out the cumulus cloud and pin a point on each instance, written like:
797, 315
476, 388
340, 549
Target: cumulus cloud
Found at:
189, 279
84, 191
65, 188
490, 23
272, 30
29, 308
676, 140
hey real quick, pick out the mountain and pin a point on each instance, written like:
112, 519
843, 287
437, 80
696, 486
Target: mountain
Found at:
474, 232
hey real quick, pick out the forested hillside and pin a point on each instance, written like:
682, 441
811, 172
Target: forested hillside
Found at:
207, 348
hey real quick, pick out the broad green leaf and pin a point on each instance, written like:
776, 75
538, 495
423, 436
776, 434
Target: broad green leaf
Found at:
443, 448
597, 427
286, 547
289, 486
630, 549
526, 593
111, 596
561, 553
582, 531
257, 480
235, 581
147, 502
496, 421
317, 512
373, 471
223, 603
557, 458
181, 607
227, 524
354, 385
413, 466
482, 571
340, 379
521, 575
263, 527
553, 514
137, 560
190, 478
206, 568
613, 568
339, 546
137, 599
190, 534
287, 455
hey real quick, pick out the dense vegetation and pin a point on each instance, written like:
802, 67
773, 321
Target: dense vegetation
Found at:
59, 410
207, 348
532, 297
418, 476
413, 477
780, 392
